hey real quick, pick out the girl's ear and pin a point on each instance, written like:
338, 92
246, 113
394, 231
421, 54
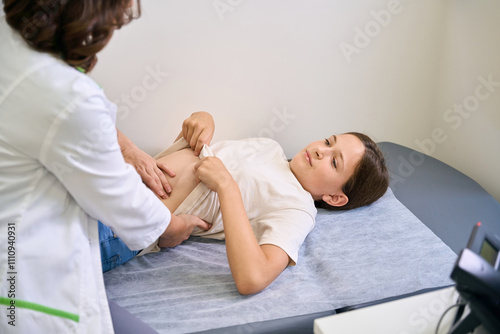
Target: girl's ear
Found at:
335, 200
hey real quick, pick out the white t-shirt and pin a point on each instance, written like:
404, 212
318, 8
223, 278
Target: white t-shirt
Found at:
61, 168
280, 211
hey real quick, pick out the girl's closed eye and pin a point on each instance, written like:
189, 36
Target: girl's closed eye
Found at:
334, 161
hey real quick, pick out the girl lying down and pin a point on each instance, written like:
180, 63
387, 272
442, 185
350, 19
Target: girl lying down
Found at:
263, 205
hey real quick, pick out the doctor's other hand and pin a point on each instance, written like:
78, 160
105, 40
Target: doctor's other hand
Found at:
180, 228
198, 130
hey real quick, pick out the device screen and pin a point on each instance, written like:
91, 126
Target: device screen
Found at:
488, 252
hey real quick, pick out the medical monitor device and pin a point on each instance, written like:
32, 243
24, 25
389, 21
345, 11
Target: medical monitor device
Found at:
477, 276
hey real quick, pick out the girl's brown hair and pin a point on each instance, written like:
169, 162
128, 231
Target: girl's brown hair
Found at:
75, 30
369, 181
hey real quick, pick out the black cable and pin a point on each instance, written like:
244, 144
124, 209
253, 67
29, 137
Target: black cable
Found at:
458, 303
460, 310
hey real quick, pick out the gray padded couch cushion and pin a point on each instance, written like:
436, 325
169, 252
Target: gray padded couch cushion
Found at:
446, 200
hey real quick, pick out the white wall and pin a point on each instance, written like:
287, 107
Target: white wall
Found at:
296, 70
467, 110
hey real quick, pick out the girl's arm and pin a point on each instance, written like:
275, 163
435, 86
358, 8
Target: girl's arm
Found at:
253, 266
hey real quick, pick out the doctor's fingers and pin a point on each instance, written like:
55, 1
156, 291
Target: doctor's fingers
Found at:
204, 225
195, 221
165, 168
160, 168
151, 177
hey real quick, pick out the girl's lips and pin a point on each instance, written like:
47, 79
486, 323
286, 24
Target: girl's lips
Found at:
308, 158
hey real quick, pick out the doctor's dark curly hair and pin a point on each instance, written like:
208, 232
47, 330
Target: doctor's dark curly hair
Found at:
369, 181
74, 30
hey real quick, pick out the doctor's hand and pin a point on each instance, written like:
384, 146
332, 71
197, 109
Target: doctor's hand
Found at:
180, 228
148, 168
198, 130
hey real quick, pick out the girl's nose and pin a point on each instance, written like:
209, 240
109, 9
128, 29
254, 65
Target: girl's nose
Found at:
321, 152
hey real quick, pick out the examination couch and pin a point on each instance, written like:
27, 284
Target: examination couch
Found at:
447, 202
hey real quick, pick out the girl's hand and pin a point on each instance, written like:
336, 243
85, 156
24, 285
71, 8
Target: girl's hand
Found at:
198, 130
212, 172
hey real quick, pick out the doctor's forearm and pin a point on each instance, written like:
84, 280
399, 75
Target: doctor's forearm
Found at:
175, 233
124, 142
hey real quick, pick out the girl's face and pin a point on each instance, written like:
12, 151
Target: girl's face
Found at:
324, 166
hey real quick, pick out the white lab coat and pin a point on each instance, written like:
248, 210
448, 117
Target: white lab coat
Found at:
61, 169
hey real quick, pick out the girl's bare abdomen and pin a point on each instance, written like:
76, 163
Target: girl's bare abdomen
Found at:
182, 163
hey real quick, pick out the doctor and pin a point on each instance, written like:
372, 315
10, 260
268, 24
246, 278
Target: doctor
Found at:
62, 168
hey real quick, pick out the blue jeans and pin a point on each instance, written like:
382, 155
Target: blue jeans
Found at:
113, 250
